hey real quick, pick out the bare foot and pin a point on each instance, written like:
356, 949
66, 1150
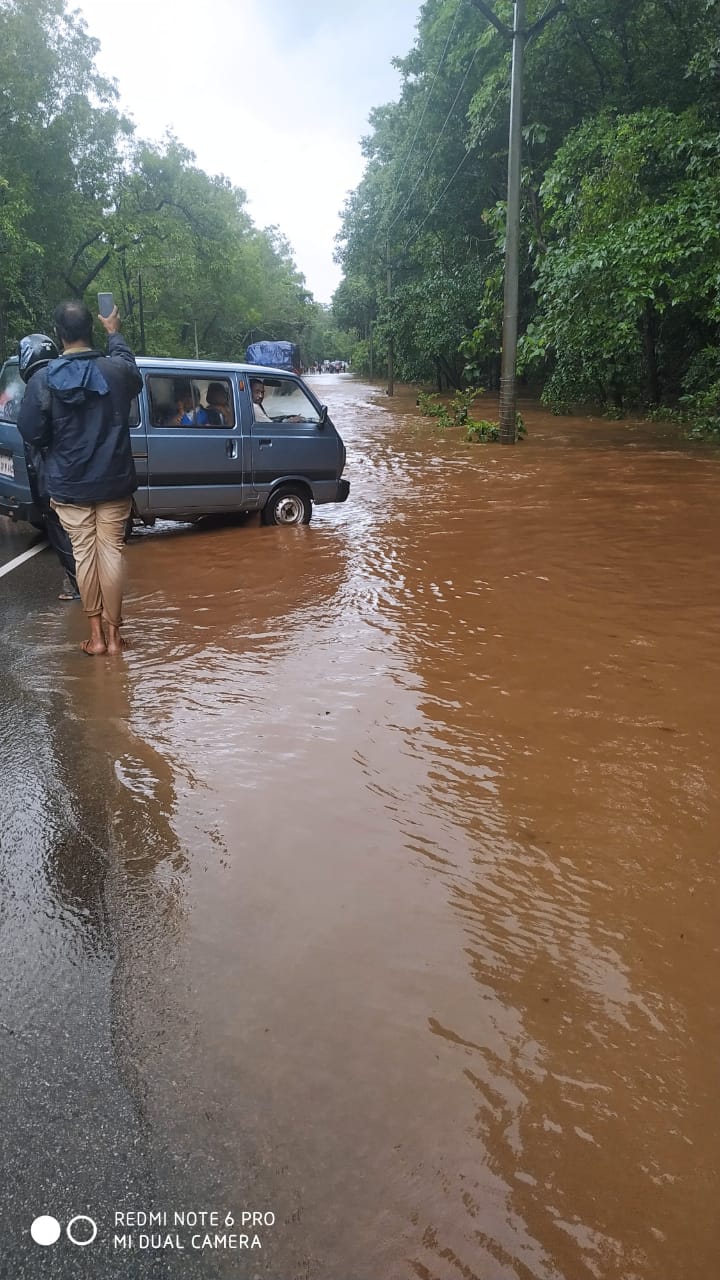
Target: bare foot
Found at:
94, 648
115, 642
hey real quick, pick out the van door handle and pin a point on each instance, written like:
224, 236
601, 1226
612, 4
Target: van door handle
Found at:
231, 448
265, 440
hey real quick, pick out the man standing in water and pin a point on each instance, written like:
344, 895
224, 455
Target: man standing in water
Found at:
77, 410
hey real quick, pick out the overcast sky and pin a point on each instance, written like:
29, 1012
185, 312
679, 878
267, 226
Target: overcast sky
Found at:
275, 94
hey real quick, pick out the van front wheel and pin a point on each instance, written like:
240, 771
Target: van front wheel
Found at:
287, 505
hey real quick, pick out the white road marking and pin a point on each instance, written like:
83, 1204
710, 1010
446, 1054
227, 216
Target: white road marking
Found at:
26, 555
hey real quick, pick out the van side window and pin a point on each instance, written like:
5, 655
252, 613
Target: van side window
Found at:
190, 402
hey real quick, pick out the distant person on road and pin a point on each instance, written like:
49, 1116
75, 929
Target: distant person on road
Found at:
35, 351
77, 410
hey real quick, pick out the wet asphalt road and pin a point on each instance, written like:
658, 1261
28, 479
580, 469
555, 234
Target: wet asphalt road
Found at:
75, 1141
72, 1138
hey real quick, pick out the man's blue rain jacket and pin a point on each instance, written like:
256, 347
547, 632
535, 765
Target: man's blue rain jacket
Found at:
76, 411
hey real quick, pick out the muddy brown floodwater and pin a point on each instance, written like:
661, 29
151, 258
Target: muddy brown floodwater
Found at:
415, 873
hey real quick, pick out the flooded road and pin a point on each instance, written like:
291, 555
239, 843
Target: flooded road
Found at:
400, 862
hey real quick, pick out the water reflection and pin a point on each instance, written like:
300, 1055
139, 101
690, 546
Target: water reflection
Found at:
553, 939
445, 734
90, 900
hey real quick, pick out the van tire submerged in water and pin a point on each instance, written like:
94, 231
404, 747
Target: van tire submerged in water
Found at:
290, 504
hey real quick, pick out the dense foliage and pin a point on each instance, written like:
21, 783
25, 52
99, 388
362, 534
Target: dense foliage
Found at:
85, 205
620, 267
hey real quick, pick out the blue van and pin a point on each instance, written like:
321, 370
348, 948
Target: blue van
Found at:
208, 438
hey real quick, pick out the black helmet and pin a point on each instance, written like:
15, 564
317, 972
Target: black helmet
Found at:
35, 350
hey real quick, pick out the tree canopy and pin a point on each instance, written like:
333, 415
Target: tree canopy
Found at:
86, 205
620, 267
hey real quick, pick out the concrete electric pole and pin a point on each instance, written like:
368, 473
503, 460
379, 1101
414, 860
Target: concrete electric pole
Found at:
519, 35
391, 341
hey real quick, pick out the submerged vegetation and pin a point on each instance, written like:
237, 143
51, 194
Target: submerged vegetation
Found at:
456, 413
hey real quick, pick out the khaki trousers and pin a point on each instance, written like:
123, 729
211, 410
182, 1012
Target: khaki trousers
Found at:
97, 534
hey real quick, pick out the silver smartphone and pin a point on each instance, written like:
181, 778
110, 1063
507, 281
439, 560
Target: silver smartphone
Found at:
106, 303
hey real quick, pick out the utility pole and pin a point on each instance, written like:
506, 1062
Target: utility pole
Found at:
141, 309
519, 35
391, 345
508, 385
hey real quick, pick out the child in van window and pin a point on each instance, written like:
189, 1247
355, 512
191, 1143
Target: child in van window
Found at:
188, 412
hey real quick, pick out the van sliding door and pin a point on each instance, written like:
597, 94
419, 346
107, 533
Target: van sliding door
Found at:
195, 447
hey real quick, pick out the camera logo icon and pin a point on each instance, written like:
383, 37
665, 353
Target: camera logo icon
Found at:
80, 1230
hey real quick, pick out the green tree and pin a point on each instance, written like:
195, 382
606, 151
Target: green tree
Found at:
84, 205
629, 289
61, 148
431, 202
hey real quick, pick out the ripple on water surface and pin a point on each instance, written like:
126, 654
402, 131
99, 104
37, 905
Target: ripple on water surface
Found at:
436, 779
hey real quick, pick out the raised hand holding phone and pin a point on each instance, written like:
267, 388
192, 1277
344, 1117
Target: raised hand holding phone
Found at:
109, 316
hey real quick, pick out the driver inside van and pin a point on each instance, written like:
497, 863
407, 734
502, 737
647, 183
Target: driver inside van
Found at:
257, 391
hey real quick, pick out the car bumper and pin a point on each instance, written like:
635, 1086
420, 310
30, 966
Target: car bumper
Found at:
343, 490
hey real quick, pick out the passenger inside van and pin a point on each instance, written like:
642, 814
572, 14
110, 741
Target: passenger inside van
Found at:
175, 403
178, 402
219, 409
189, 411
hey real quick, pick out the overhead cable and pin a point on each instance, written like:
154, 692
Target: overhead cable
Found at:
450, 181
429, 96
434, 147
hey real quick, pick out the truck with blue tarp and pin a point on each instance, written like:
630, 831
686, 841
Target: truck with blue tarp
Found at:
275, 355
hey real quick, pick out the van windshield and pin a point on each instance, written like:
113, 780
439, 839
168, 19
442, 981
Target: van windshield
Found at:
12, 390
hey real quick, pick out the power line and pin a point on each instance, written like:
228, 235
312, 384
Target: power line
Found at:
430, 94
435, 145
536, 28
450, 181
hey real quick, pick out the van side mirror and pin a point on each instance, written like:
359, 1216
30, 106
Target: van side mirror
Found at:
323, 415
